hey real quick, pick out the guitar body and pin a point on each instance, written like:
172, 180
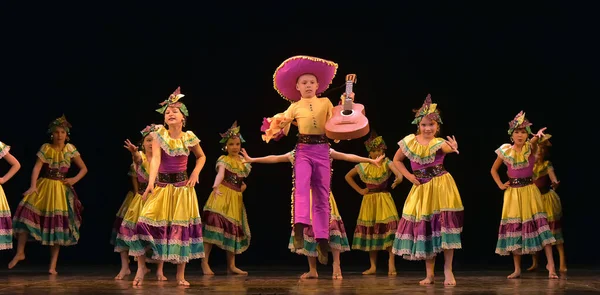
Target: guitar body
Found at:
346, 127
348, 120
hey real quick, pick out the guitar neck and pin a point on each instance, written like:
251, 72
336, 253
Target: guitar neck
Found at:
348, 100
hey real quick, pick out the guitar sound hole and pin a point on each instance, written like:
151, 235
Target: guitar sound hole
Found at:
347, 113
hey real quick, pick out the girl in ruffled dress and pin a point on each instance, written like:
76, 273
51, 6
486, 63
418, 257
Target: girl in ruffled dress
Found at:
169, 228
378, 218
524, 226
338, 240
432, 216
225, 220
545, 179
50, 211
125, 236
6, 235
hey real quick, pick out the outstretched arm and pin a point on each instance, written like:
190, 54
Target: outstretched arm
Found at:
272, 159
354, 158
14, 167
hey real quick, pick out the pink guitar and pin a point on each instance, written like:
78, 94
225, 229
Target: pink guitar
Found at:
348, 120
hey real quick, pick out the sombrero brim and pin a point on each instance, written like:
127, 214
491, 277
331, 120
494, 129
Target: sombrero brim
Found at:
286, 75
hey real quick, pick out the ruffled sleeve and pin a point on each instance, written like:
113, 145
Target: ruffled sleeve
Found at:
55, 159
512, 158
417, 152
276, 127
4, 149
234, 166
175, 147
372, 174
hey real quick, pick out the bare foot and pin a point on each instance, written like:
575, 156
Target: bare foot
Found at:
449, 278
391, 270
370, 271
337, 272
160, 277
52, 271
514, 275
206, 269
237, 271
426, 281
551, 272
533, 267
183, 282
122, 274
139, 276
309, 275
18, 257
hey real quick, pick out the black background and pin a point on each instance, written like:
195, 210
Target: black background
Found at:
107, 68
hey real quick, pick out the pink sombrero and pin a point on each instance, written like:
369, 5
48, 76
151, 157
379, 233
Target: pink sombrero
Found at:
286, 75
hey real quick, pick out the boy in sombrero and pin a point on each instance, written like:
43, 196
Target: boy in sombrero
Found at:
300, 79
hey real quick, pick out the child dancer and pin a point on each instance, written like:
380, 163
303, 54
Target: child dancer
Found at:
300, 79
524, 226
378, 218
5, 220
225, 220
338, 241
50, 212
126, 237
432, 217
545, 179
169, 226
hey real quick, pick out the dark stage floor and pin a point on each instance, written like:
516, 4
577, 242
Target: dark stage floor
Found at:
99, 280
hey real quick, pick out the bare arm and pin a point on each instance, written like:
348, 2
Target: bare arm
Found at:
14, 167
396, 172
552, 175
219, 177
350, 157
136, 157
350, 180
135, 184
244, 187
82, 169
154, 163
495, 174
398, 158
35, 173
200, 159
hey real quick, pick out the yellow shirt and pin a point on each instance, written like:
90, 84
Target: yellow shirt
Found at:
311, 114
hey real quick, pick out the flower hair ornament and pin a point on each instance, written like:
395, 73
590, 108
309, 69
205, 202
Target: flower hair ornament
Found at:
60, 122
428, 110
147, 130
173, 101
232, 132
519, 122
375, 143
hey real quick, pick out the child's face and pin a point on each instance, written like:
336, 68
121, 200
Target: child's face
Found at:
234, 145
428, 127
519, 136
307, 85
375, 153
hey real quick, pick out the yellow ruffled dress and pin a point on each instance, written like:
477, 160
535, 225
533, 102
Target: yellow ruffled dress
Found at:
225, 219
524, 225
432, 217
6, 229
378, 217
122, 210
169, 227
52, 215
550, 198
